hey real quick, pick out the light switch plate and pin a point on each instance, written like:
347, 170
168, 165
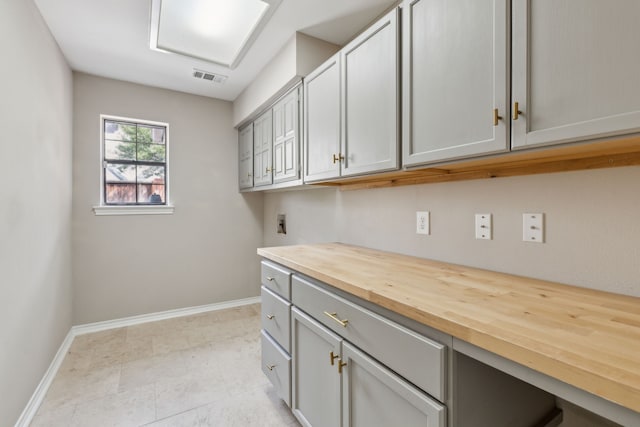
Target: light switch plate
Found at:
422, 222
484, 226
533, 227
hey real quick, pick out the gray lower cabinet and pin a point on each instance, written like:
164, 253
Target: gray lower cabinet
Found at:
276, 329
372, 395
315, 379
338, 361
335, 384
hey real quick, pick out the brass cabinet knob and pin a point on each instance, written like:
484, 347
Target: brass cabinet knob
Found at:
341, 364
337, 158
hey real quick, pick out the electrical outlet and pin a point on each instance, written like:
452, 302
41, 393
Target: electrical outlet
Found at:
282, 224
422, 222
484, 226
533, 227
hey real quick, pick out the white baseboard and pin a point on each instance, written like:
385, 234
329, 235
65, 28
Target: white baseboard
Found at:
38, 396
162, 315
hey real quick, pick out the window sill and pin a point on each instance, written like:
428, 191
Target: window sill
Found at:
133, 210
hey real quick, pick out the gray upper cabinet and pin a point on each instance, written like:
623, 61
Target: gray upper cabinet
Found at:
351, 114
245, 157
575, 70
322, 121
262, 149
370, 99
455, 85
285, 138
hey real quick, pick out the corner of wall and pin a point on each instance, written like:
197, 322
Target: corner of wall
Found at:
311, 52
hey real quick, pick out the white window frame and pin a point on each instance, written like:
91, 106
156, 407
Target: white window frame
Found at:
104, 209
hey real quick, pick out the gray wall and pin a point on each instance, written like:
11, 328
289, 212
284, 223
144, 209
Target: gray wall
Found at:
35, 203
203, 253
592, 226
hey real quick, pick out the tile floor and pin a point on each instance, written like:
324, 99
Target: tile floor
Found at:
200, 370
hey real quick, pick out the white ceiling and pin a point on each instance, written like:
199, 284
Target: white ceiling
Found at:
110, 38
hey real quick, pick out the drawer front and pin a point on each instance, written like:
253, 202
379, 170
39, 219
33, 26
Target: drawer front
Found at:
276, 278
420, 360
276, 365
276, 318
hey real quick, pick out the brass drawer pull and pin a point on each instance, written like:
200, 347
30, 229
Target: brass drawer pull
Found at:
332, 357
270, 367
496, 117
340, 365
516, 111
337, 158
334, 317
270, 316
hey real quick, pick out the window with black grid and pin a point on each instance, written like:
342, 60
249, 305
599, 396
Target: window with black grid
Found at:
134, 155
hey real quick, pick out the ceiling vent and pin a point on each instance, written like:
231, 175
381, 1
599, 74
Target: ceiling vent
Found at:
206, 75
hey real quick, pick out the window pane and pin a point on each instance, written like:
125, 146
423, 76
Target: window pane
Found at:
119, 131
151, 193
151, 152
120, 193
118, 150
115, 172
148, 134
151, 174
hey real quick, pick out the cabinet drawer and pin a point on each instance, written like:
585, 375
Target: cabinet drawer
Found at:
276, 364
420, 360
276, 278
276, 318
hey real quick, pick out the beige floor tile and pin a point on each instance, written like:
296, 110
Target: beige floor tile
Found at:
57, 417
236, 313
141, 372
76, 361
260, 408
74, 387
190, 418
182, 394
163, 344
201, 370
129, 408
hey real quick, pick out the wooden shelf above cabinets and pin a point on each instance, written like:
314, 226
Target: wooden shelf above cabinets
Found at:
583, 156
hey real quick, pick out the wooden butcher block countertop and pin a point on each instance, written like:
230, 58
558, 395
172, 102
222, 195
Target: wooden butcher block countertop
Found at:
587, 338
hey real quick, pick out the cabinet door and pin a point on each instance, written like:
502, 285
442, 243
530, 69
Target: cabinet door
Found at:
315, 381
245, 157
322, 121
285, 138
372, 395
575, 70
262, 145
370, 129
454, 78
